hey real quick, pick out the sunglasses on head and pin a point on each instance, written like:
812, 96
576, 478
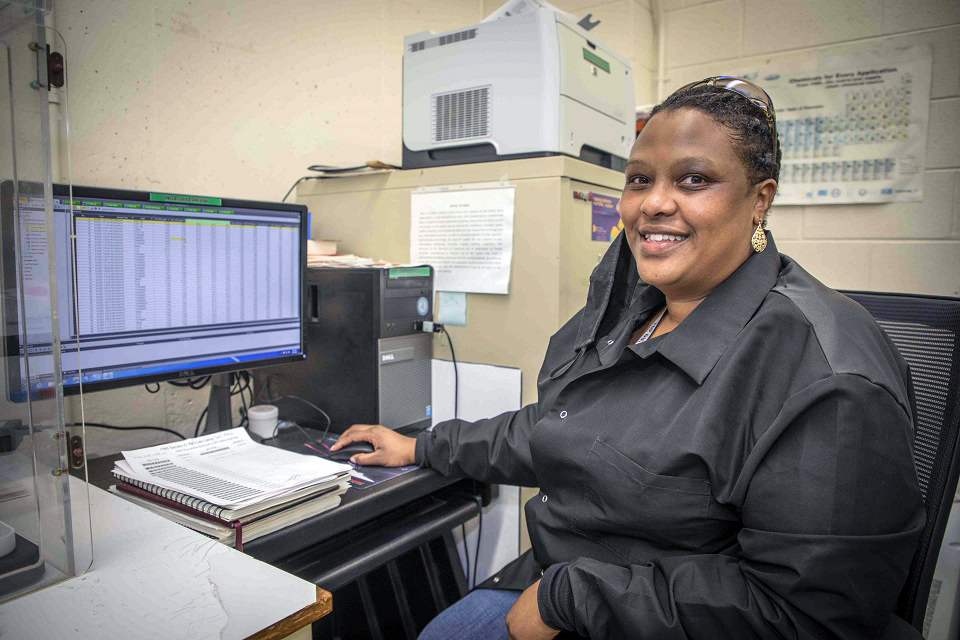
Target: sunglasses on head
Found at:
748, 90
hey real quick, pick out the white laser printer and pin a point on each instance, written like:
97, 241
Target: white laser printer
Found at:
531, 84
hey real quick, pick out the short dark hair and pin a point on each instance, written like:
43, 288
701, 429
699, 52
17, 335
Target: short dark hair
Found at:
744, 121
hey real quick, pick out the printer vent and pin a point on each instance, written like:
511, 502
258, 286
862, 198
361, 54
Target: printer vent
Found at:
460, 115
459, 36
450, 38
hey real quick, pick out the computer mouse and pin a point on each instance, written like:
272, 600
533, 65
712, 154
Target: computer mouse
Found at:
350, 450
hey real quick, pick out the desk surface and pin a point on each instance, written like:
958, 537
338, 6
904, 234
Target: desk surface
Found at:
358, 506
152, 577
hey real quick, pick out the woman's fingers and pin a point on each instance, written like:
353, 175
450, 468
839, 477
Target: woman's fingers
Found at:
356, 433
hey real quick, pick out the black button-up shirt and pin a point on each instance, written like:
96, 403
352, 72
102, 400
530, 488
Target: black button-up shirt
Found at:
746, 475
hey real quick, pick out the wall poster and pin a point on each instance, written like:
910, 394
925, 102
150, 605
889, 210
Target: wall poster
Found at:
606, 223
853, 128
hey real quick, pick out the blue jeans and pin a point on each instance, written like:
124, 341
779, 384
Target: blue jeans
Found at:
479, 615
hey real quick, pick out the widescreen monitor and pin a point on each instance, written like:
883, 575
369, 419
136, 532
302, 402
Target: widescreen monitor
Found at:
149, 286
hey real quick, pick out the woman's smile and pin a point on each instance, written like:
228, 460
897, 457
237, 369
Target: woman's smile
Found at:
654, 242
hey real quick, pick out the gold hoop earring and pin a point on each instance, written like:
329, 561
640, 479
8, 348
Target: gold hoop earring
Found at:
759, 239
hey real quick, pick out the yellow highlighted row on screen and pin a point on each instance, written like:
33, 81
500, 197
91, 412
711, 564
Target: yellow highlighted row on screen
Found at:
209, 223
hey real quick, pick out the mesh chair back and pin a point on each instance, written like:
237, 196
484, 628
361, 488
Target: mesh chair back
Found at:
926, 330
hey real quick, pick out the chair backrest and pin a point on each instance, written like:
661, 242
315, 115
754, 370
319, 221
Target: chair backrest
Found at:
926, 331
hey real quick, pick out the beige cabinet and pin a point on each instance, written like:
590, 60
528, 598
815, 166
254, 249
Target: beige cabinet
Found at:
553, 253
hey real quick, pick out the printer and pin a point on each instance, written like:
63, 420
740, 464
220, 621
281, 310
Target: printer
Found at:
528, 85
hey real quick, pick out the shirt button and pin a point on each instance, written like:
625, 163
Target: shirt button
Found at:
497, 579
609, 341
563, 414
544, 499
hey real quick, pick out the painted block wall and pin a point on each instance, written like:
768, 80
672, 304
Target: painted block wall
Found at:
237, 98
908, 247
233, 99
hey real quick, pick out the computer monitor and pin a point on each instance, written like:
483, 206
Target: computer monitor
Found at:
149, 286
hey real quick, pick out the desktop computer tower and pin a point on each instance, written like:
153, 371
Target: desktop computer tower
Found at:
368, 361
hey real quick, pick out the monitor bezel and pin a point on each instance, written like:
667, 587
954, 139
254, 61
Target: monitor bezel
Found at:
11, 341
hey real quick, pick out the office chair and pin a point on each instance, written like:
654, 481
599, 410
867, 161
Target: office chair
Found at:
926, 330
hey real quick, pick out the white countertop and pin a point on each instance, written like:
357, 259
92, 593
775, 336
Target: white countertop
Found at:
154, 578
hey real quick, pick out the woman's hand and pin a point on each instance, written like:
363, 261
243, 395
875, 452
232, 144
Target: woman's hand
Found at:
391, 448
524, 621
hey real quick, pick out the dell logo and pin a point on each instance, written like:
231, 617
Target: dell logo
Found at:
387, 357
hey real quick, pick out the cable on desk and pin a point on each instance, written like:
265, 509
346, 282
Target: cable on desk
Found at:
149, 390
119, 428
307, 402
307, 437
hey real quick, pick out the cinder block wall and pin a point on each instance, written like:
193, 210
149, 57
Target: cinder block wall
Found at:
233, 99
912, 247
237, 98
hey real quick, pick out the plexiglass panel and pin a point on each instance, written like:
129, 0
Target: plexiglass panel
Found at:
49, 514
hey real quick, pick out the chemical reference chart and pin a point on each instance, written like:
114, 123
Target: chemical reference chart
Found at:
852, 128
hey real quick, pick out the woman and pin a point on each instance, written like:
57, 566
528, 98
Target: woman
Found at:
723, 445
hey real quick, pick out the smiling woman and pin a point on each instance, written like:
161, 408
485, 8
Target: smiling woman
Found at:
722, 443
690, 199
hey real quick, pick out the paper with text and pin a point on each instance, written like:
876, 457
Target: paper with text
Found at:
227, 468
467, 235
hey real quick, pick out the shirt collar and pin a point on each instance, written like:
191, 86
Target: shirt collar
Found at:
698, 342
616, 267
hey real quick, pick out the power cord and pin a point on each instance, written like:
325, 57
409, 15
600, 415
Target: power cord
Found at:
203, 414
435, 327
306, 402
456, 375
100, 425
242, 384
238, 383
327, 171
298, 182
193, 383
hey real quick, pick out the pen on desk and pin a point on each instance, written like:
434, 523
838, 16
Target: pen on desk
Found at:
360, 475
307, 444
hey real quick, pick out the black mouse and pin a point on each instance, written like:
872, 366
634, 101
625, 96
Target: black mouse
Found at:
350, 450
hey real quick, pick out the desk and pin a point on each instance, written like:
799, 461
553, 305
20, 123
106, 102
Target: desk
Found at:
398, 532
152, 578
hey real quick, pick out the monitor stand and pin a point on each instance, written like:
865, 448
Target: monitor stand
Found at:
219, 416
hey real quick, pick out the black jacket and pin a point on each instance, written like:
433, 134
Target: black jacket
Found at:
747, 475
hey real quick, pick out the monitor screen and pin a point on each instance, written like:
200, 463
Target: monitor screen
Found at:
150, 286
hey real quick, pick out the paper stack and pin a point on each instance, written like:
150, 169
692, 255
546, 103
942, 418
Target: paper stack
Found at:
229, 487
